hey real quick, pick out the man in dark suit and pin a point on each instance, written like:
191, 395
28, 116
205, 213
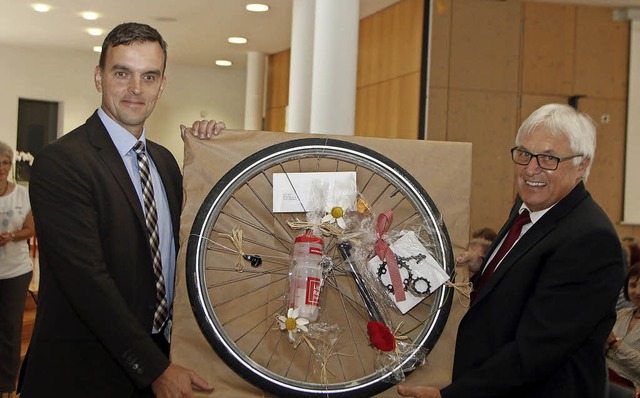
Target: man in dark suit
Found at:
540, 317
95, 333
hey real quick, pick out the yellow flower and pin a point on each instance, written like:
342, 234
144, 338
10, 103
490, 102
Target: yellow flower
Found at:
335, 215
292, 323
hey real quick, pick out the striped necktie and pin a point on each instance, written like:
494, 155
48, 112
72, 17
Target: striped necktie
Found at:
151, 219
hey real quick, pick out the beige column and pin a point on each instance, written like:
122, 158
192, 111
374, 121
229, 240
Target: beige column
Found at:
254, 97
301, 66
335, 62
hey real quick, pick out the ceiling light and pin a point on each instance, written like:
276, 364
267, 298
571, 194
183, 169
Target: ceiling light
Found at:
97, 49
257, 7
89, 15
237, 40
95, 31
39, 7
223, 62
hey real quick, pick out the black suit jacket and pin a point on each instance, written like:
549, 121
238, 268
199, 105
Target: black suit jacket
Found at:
92, 335
538, 327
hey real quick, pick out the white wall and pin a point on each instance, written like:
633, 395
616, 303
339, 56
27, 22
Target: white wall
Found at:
67, 77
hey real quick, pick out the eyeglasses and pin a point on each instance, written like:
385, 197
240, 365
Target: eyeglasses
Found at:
545, 161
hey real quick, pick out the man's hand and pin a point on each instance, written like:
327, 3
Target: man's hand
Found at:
203, 129
472, 260
418, 391
177, 381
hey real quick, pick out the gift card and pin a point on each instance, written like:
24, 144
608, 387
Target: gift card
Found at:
299, 192
420, 272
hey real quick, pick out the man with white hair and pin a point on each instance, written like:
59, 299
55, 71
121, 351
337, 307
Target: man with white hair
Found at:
544, 298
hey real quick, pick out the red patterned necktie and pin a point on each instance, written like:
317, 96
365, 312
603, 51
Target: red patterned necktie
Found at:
511, 238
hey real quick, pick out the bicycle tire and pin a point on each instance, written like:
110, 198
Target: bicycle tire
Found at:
206, 308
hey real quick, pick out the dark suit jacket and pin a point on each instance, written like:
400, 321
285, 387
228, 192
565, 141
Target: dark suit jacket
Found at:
92, 335
538, 327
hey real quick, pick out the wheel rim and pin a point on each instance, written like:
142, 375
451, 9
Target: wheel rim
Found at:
210, 291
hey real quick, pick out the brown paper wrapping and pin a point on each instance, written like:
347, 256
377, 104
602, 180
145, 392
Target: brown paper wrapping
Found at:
442, 168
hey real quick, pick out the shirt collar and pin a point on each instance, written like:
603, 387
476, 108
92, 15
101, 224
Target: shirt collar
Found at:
535, 215
121, 137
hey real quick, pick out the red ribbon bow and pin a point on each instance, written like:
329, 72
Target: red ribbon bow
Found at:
384, 252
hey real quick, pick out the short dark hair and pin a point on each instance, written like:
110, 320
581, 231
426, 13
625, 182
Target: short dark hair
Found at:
132, 32
634, 271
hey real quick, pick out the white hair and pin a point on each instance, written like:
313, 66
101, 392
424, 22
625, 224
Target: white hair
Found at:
560, 119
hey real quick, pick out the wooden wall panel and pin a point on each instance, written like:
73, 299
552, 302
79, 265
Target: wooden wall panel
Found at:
606, 181
275, 119
440, 45
549, 48
390, 43
488, 121
277, 96
389, 67
485, 45
367, 52
438, 110
529, 103
389, 109
602, 54
406, 37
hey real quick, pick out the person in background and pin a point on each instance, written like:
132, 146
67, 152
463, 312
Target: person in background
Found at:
623, 343
481, 240
107, 201
632, 256
632, 248
16, 269
541, 313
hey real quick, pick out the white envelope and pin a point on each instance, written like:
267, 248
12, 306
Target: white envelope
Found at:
293, 192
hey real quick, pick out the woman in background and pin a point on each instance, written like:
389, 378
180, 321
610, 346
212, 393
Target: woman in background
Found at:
623, 344
16, 226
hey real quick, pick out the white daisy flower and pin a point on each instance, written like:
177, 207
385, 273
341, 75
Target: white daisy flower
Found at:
338, 201
334, 215
292, 323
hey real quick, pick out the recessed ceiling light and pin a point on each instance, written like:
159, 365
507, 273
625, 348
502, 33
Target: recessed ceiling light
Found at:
39, 7
89, 15
95, 31
223, 62
257, 7
97, 49
237, 40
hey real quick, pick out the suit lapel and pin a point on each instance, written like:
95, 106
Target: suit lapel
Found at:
107, 152
537, 232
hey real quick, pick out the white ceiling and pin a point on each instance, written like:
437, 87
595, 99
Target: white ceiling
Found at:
196, 30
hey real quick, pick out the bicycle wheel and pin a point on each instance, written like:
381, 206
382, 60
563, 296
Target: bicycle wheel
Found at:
236, 309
